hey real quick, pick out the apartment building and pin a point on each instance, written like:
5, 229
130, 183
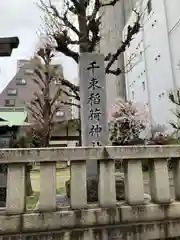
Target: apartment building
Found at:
20, 90
153, 59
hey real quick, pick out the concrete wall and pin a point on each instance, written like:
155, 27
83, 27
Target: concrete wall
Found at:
25, 93
132, 218
111, 36
159, 68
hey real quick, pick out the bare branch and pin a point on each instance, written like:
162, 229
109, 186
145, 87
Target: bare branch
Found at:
38, 82
96, 8
73, 87
110, 3
115, 72
37, 106
131, 32
53, 112
71, 104
35, 115
64, 19
39, 99
56, 96
69, 94
62, 46
175, 126
38, 72
88, 32
93, 26
76, 5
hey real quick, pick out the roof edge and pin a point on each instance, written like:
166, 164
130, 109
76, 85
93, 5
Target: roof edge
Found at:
13, 41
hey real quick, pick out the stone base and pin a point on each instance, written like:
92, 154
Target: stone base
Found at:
92, 190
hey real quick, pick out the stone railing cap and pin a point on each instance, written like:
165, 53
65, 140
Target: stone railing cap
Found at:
88, 153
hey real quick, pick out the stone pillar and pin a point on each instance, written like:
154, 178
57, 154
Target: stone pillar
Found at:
94, 127
93, 105
134, 187
159, 181
47, 198
16, 189
107, 189
78, 185
176, 173
111, 37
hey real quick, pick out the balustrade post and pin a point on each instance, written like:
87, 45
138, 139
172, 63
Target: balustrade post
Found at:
159, 181
176, 176
16, 188
107, 187
133, 177
78, 185
47, 198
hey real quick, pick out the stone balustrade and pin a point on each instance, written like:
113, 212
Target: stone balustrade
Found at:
133, 218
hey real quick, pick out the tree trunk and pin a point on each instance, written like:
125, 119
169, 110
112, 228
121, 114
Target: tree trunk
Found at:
29, 190
46, 112
83, 46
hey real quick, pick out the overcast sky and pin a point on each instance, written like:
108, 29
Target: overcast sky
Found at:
22, 18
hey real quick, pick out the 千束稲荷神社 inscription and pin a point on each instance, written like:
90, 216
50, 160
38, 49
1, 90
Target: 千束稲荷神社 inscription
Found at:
93, 100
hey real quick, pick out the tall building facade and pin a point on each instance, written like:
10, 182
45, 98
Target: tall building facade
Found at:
152, 62
20, 90
113, 21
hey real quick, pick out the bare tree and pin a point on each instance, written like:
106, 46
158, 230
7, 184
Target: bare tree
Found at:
75, 29
48, 99
174, 97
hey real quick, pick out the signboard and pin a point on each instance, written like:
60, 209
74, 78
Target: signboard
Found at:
93, 102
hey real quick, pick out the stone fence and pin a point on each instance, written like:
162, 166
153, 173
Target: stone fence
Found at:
107, 219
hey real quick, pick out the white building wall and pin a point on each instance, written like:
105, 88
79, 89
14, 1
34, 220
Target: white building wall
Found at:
112, 25
158, 68
173, 22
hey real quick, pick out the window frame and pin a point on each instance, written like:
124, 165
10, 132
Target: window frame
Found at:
149, 6
143, 86
12, 94
60, 111
9, 105
19, 82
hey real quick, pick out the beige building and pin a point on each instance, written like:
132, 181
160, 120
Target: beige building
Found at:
20, 91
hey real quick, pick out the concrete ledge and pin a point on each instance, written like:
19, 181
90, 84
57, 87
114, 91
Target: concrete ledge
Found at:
99, 216
88, 153
150, 212
142, 217
152, 230
172, 211
10, 224
70, 219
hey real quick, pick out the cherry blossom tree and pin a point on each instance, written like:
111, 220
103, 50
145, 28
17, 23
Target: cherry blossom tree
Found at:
127, 120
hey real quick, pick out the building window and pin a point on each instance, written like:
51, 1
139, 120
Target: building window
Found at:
11, 92
132, 95
10, 102
57, 82
149, 6
21, 82
29, 71
60, 114
143, 86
